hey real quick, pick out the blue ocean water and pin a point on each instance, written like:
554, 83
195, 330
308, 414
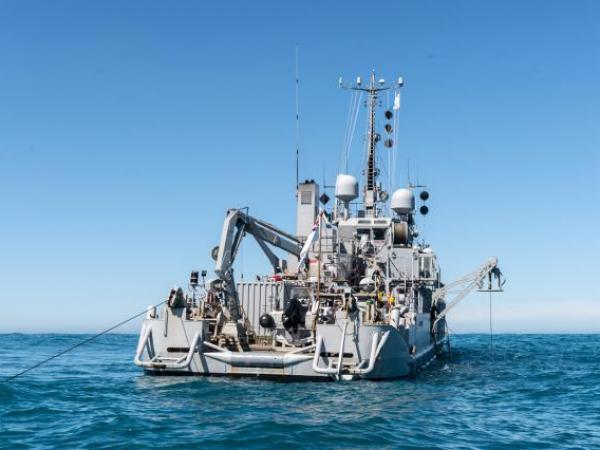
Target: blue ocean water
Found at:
533, 391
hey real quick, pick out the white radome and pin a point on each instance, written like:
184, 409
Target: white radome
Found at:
403, 201
346, 188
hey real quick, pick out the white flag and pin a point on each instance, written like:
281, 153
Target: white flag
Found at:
397, 101
312, 238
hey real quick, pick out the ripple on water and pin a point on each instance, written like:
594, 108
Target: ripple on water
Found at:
534, 391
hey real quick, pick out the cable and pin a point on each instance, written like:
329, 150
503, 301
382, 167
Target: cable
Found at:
79, 344
396, 147
353, 128
343, 163
491, 330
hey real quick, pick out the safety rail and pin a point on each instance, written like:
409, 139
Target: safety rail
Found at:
158, 362
330, 370
376, 347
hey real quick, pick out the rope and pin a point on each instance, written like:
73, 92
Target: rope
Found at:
491, 330
396, 147
354, 121
343, 151
79, 344
449, 331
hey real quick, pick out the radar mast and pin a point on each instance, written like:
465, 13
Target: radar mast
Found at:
371, 171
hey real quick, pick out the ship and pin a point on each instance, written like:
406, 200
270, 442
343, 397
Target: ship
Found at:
358, 294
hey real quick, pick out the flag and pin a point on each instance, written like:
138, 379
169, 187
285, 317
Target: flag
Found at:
313, 236
397, 101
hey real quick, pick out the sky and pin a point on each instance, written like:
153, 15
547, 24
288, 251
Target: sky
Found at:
127, 129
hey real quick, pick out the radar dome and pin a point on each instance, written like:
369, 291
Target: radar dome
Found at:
346, 188
403, 201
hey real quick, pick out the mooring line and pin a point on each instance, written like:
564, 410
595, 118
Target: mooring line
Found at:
491, 330
79, 344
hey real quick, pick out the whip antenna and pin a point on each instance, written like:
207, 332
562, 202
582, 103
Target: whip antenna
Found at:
297, 125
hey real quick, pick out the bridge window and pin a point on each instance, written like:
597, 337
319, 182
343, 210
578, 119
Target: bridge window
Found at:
379, 234
363, 232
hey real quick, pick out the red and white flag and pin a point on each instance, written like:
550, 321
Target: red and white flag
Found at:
310, 240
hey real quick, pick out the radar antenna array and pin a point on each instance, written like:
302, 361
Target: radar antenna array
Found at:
372, 191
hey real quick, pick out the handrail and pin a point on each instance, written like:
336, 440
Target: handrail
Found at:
145, 333
341, 352
181, 363
330, 370
315, 365
376, 347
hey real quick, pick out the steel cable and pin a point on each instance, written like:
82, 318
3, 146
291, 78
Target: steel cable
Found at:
79, 344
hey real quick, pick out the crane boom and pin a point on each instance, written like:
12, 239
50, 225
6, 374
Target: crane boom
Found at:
460, 288
237, 223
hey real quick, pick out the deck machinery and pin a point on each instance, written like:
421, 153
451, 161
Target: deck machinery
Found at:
356, 298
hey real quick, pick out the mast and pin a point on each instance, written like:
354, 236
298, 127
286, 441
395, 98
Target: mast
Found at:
371, 171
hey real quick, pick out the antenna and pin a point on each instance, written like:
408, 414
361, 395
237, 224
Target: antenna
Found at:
372, 190
297, 123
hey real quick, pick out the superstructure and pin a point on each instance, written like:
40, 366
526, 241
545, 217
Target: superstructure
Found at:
356, 297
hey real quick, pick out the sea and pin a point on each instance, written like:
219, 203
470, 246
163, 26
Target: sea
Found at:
504, 392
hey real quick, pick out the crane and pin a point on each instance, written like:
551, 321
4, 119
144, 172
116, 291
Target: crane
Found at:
460, 288
237, 223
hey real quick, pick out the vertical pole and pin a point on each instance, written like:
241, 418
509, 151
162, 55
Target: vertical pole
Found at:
319, 262
370, 170
491, 330
314, 324
297, 125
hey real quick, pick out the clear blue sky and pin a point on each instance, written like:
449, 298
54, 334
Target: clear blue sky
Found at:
128, 128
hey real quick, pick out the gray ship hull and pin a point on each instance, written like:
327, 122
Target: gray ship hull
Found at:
344, 350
